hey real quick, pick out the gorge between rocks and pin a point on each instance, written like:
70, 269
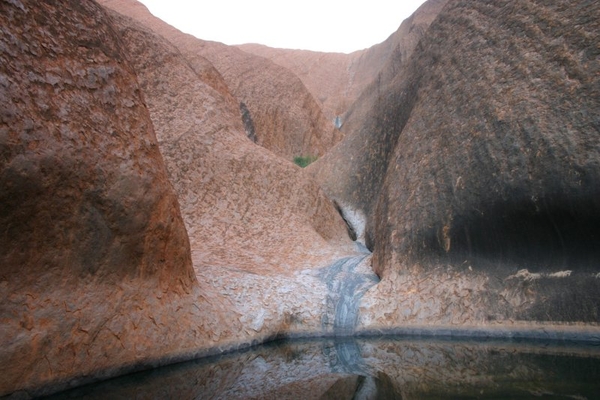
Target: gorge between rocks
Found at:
442, 239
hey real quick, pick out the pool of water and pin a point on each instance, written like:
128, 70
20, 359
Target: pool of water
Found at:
371, 368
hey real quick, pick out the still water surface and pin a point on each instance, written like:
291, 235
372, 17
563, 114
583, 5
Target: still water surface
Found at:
371, 368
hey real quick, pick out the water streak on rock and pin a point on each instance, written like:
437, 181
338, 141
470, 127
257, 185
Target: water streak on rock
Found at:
347, 280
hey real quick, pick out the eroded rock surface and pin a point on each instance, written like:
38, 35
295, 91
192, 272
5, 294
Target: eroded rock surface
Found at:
471, 176
287, 119
337, 80
97, 277
352, 172
93, 249
474, 169
242, 205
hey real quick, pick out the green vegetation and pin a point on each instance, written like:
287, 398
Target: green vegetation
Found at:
303, 161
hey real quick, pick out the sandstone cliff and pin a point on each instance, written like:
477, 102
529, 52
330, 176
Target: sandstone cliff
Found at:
469, 168
286, 118
235, 195
342, 172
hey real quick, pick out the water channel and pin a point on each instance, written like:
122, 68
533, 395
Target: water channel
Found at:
371, 368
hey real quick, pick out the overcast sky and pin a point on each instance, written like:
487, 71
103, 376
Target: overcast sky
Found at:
320, 25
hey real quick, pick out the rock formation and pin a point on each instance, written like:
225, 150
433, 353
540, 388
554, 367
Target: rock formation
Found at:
142, 225
97, 277
287, 119
93, 249
336, 80
345, 178
475, 167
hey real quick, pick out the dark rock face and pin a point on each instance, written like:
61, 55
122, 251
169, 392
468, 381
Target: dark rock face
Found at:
500, 153
481, 160
248, 123
353, 171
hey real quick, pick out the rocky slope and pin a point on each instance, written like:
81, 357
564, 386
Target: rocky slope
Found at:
285, 117
474, 168
233, 193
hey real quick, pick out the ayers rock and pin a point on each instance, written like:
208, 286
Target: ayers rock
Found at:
151, 214
474, 170
104, 271
336, 80
279, 112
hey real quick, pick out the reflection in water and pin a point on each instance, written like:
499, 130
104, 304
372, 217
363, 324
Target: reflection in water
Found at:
383, 368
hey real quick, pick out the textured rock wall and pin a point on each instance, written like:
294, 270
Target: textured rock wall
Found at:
337, 80
96, 275
352, 172
473, 180
496, 167
499, 156
242, 205
477, 176
93, 248
331, 78
287, 119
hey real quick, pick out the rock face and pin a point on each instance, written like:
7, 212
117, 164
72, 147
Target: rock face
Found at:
96, 273
286, 118
477, 182
342, 172
469, 169
337, 80
331, 78
91, 225
234, 195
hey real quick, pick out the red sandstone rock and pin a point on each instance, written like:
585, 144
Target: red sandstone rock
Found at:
95, 273
473, 167
90, 222
343, 172
96, 278
286, 118
242, 205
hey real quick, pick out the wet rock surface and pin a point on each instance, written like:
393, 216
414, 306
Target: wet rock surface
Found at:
347, 280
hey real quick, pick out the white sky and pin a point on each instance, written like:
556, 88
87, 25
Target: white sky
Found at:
320, 25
